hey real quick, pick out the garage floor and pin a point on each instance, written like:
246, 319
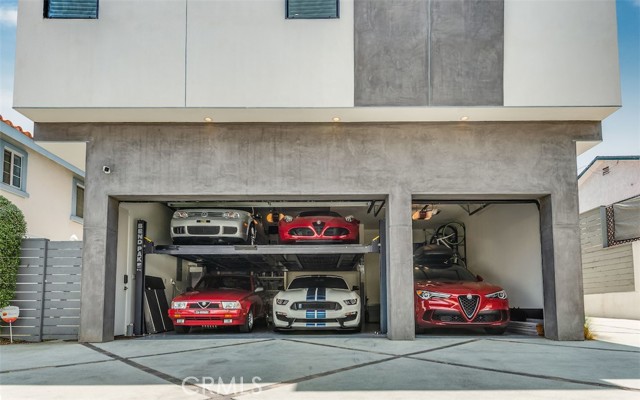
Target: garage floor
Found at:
321, 366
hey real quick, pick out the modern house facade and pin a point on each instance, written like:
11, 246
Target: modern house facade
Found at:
609, 190
398, 102
46, 188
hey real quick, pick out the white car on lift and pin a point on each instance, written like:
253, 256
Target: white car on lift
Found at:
317, 302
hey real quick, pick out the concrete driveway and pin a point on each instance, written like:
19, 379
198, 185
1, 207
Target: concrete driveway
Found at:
221, 365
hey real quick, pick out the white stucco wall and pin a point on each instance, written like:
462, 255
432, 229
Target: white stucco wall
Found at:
222, 54
560, 53
621, 183
48, 207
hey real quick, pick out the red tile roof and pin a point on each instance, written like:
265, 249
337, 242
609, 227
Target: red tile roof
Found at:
16, 127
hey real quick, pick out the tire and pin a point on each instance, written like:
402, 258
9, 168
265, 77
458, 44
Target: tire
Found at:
495, 331
458, 231
181, 329
252, 235
248, 322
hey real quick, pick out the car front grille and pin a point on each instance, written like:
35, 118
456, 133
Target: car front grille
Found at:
229, 230
447, 316
456, 317
315, 305
203, 230
336, 232
318, 227
204, 305
300, 232
469, 304
206, 214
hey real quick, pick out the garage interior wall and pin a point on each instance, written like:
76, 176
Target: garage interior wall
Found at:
158, 218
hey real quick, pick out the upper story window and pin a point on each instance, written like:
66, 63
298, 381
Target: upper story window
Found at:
71, 9
312, 9
14, 169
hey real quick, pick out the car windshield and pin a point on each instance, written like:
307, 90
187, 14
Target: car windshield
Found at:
318, 282
319, 214
224, 282
454, 273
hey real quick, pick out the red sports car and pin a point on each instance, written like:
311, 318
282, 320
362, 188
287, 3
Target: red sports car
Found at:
319, 227
454, 297
219, 300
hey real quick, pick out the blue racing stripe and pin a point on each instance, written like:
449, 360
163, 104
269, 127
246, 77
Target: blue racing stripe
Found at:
311, 294
321, 294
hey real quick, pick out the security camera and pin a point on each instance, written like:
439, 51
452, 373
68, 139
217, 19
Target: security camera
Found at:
106, 169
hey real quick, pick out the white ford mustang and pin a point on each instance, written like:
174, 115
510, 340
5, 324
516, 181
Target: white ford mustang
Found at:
317, 302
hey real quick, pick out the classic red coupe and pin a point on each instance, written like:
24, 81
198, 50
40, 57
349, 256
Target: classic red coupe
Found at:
219, 300
454, 297
319, 227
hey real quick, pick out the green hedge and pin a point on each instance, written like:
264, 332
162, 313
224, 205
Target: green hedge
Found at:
12, 230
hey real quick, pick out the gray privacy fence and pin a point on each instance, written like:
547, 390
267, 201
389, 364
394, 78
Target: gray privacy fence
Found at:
47, 291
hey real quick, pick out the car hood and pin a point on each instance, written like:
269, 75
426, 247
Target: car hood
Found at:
460, 287
317, 294
213, 295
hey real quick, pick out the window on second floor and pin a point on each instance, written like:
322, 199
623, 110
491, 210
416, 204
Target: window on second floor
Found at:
77, 207
14, 168
71, 9
312, 9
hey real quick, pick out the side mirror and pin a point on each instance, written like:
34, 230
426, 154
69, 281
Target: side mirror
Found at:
189, 289
479, 278
259, 289
355, 288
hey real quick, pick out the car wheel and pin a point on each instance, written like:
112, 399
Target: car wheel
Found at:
495, 331
181, 329
252, 235
248, 323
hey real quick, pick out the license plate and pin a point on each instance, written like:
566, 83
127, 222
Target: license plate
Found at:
202, 312
203, 221
180, 321
228, 321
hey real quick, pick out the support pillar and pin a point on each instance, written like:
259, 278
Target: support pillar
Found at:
400, 307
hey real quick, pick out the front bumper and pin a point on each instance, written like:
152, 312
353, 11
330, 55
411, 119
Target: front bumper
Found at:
189, 317
346, 318
208, 230
433, 313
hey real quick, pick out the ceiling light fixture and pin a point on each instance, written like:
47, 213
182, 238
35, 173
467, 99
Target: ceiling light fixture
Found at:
464, 118
208, 119
425, 213
336, 119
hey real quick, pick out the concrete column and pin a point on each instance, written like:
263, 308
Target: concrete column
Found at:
97, 299
400, 307
561, 267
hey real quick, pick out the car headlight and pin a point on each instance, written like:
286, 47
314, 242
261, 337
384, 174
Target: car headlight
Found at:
178, 305
180, 214
231, 214
288, 218
351, 302
426, 295
282, 302
497, 295
230, 305
349, 218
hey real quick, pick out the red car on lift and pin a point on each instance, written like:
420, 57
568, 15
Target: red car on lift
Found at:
219, 300
453, 297
319, 227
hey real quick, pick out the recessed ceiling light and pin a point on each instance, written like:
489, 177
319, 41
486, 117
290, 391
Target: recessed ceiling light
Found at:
464, 118
336, 119
208, 119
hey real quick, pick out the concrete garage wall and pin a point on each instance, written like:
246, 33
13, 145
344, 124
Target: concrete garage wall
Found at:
488, 160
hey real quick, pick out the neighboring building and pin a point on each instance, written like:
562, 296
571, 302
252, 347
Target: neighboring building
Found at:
391, 103
48, 190
609, 190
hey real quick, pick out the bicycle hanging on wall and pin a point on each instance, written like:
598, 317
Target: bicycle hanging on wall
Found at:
452, 235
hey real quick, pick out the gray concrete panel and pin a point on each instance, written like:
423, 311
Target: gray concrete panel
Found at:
242, 161
466, 52
391, 52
